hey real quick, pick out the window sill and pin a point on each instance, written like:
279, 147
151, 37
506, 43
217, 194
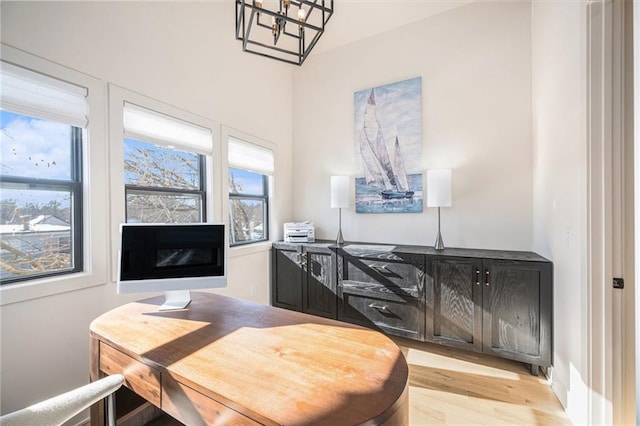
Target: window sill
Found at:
248, 249
21, 292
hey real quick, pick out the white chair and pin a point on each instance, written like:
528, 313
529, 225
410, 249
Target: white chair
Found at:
58, 409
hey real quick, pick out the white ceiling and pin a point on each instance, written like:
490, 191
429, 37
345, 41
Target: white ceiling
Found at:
354, 20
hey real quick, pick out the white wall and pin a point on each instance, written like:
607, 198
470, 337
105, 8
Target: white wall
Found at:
504, 106
475, 64
184, 54
560, 186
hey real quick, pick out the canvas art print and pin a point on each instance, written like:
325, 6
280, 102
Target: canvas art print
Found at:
388, 142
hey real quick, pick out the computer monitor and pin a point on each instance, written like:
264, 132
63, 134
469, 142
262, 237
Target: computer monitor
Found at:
174, 258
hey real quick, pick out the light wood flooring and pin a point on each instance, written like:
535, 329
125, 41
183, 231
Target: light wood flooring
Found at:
453, 387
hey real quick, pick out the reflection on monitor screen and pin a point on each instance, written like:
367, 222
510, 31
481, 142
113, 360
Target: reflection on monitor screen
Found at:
177, 257
173, 258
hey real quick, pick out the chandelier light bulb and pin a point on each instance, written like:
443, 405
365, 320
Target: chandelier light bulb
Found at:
258, 3
286, 4
301, 14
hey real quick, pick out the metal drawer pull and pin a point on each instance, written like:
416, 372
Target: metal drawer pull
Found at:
381, 269
384, 308
486, 277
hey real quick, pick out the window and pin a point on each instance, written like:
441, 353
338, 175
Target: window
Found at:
250, 167
248, 206
163, 183
41, 215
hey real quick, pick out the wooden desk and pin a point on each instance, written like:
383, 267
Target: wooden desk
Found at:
227, 361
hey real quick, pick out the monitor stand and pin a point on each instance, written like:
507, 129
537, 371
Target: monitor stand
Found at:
175, 299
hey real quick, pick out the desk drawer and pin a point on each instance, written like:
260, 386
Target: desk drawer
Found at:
193, 408
140, 378
392, 316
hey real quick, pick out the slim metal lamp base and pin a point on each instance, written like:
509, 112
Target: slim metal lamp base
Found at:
439, 244
339, 239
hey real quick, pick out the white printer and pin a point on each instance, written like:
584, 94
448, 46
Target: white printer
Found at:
299, 232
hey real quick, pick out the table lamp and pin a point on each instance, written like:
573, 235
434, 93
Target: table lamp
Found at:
339, 200
439, 195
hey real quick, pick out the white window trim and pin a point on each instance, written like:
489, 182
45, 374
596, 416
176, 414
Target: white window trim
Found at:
214, 166
261, 246
94, 169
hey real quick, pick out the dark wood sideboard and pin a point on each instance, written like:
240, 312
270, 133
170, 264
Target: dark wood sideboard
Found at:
491, 301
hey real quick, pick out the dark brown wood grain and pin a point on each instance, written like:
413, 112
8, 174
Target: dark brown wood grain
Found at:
304, 278
270, 365
396, 317
457, 298
394, 270
448, 289
517, 319
286, 270
319, 282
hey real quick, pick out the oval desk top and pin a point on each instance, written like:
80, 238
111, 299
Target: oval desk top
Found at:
270, 364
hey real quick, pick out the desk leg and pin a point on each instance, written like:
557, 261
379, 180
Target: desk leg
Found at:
97, 410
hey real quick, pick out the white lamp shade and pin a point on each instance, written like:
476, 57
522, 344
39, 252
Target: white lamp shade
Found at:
439, 188
339, 191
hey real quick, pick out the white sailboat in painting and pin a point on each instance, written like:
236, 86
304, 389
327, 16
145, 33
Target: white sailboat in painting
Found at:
378, 167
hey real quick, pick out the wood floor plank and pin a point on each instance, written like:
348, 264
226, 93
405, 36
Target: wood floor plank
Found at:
454, 387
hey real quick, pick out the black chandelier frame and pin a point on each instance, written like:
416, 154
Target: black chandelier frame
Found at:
277, 24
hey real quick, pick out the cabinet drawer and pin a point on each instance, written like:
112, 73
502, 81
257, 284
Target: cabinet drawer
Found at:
387, 273
399, 271
140, 378
397, 317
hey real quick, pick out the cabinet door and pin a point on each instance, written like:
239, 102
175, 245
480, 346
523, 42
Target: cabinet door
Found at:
286, 278
454, 302
517, 310
319, 282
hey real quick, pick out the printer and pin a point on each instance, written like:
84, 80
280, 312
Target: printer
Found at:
299, 232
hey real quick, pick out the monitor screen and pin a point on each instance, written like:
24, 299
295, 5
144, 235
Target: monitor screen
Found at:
169, 257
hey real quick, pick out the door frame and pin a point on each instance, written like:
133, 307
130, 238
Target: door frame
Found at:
610, 213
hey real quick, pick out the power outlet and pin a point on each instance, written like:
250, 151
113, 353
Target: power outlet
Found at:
253, 290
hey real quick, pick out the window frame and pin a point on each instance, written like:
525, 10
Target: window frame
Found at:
75, 187
92, 155
240, 196
252, 246
117, 96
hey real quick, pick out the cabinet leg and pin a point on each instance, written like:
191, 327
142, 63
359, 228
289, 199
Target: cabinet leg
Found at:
535, 368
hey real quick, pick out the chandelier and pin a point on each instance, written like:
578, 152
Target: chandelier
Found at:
286, 30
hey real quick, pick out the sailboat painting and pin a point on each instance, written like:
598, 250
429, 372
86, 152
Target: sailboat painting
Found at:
388, 142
